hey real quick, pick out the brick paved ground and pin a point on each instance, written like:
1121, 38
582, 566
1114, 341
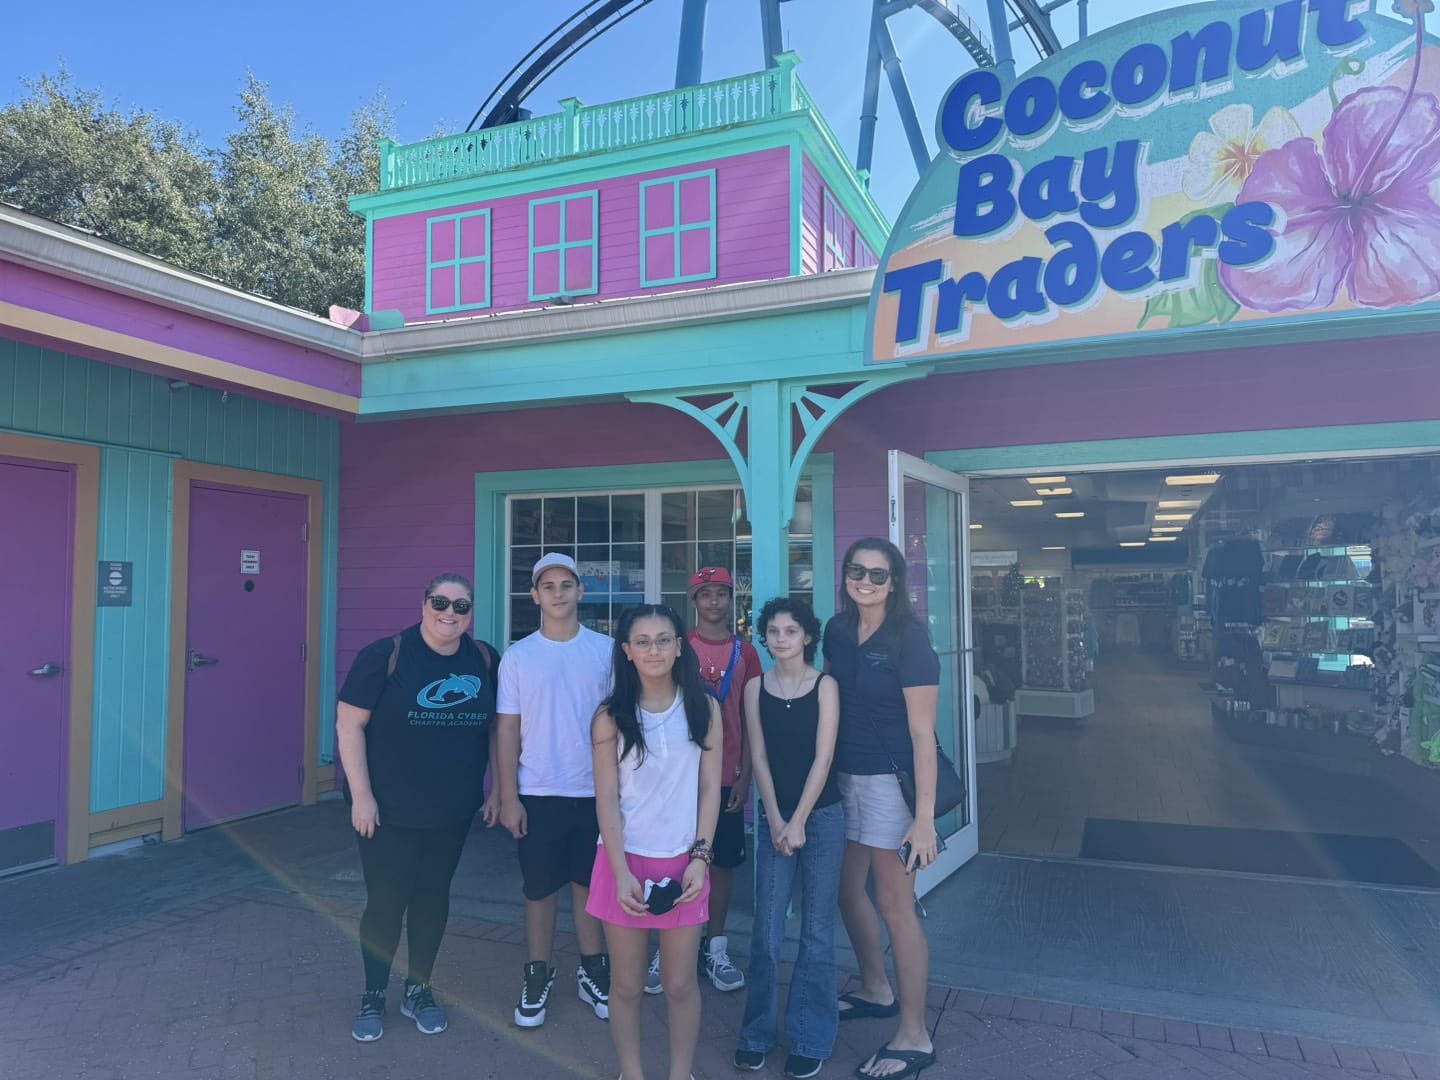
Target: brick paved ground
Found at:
260, 984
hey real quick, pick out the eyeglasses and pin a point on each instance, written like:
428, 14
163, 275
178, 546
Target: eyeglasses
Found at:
878, 575
444, 603
663, 643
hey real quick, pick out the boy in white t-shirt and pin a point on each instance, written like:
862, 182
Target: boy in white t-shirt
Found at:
550, 685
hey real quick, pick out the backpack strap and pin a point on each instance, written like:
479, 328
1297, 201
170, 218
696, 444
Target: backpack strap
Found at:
394, 657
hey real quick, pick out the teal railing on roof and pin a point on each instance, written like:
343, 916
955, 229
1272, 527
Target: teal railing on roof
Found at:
588, 129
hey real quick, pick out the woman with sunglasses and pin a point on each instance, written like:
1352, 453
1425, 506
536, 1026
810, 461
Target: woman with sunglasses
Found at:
656, 744
413, 729
889, 677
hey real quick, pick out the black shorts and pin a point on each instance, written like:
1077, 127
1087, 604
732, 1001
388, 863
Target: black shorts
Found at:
729, 843
558, 845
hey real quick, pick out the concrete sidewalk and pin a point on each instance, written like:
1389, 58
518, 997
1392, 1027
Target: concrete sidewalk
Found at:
232, 954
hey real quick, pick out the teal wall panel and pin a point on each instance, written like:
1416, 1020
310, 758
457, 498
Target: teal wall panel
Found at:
141, 426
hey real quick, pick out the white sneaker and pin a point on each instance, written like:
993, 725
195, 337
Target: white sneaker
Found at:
652, 977
724, 975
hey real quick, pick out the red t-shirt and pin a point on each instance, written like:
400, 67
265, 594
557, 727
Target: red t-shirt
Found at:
714, 657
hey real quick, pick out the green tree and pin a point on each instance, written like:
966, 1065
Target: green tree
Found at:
131, 178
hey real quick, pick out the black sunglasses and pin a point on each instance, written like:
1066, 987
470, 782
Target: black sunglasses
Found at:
878, 575
443, 603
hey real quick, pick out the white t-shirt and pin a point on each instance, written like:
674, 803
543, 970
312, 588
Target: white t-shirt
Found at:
555, 687
659, 796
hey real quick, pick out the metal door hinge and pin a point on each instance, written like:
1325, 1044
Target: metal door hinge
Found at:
305, 533
302, 652
300, 778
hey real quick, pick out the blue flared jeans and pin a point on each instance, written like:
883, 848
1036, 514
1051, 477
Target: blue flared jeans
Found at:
812, 1012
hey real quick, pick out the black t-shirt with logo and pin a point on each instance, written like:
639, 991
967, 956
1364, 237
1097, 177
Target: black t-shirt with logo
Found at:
428, 740
874, 719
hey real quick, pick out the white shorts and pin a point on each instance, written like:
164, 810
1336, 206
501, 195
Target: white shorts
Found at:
875, 812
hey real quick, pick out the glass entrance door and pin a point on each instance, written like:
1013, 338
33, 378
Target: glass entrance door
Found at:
930, 523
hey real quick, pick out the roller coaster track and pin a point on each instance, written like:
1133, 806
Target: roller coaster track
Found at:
595, 18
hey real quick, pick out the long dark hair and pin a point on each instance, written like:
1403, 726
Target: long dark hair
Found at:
624, 701
899, 615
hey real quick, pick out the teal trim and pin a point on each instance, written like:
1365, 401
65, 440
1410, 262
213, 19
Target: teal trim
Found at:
565, 246
797, 209
431, 265
1418, 435
491, 489
369, 263
676, 230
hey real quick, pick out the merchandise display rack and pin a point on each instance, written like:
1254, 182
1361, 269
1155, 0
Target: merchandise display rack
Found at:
1055, 656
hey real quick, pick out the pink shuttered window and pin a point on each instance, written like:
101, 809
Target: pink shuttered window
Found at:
564, 246
677, 229
457, 262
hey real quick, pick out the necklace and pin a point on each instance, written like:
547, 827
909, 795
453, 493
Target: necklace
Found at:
780, 685
708, 669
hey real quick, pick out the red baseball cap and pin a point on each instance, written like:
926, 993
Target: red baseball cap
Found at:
710, 575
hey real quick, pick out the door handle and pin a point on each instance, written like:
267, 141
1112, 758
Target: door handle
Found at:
47, 671
195, 660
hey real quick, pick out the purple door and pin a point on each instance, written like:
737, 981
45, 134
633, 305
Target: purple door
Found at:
36, 543
245, 654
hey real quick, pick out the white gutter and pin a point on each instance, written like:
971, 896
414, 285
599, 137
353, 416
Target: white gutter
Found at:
58, 249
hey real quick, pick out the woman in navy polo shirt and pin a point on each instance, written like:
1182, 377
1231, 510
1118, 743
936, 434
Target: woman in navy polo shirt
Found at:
889, 676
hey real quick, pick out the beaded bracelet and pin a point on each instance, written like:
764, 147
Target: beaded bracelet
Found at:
701, 850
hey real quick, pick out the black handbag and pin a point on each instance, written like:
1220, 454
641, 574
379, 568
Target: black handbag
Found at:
949, 788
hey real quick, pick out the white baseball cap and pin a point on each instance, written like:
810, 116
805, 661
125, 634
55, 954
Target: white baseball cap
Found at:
553, 558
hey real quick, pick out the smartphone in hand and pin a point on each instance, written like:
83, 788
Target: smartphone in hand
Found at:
905, 851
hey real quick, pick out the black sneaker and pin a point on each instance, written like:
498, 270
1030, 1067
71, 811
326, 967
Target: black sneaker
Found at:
370, 1020
419, 1005
749, 1060
593, 976
539, 977
802, 1068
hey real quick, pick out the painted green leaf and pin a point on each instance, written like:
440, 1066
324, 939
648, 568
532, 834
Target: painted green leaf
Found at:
1202, 303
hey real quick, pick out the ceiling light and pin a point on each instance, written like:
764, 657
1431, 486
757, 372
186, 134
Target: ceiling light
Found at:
1167, 528
1188, 479
1180, 504
1071, 514
1163, 539
976, 525
1060, 548
1043, 480
1132, 543
1027, 502
1173, 517
1054, 491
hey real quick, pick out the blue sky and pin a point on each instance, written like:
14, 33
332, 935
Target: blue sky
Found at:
185, 61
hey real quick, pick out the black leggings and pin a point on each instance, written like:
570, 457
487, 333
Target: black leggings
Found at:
407, 873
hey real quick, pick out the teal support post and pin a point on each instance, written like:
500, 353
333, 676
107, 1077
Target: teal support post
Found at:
770, 501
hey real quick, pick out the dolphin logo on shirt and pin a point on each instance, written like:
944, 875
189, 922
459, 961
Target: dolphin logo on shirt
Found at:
449, 692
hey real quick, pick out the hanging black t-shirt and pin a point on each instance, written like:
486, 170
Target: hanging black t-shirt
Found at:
427, 743
874, 723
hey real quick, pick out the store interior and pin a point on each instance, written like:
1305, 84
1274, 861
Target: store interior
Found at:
1232, 668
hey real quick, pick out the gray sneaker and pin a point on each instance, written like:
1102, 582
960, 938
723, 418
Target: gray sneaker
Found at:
724, 975
652, 977
370, 1020
419, 1005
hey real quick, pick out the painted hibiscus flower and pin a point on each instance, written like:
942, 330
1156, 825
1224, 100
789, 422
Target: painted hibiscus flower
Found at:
1223, 158
1360, 211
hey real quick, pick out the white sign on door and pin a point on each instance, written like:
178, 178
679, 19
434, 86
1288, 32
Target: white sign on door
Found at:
249, 562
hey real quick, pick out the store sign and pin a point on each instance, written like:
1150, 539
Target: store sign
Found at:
1217, 163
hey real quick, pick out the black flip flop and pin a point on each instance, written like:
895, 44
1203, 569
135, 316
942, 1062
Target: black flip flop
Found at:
913, 1060
860, 1009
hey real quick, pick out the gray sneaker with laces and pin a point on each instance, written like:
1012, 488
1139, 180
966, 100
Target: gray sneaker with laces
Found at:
370, 1020
652, 977
724, 975
419, 1005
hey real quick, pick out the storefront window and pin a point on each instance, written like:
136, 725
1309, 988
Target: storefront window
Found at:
637, 547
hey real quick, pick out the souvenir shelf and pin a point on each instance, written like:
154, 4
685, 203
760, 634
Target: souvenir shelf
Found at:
1055, 658
1318, 625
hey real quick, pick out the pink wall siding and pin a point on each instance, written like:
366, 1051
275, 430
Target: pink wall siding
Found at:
812, 226
752, 243
1295, 386
92, 306
407, 493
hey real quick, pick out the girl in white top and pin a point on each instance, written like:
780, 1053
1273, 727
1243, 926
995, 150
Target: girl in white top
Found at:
656, 743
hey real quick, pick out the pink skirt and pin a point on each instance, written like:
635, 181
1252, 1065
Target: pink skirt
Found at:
603, 905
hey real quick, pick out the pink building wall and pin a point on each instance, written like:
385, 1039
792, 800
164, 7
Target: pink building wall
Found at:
1276, 387
407, 493
752, 196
